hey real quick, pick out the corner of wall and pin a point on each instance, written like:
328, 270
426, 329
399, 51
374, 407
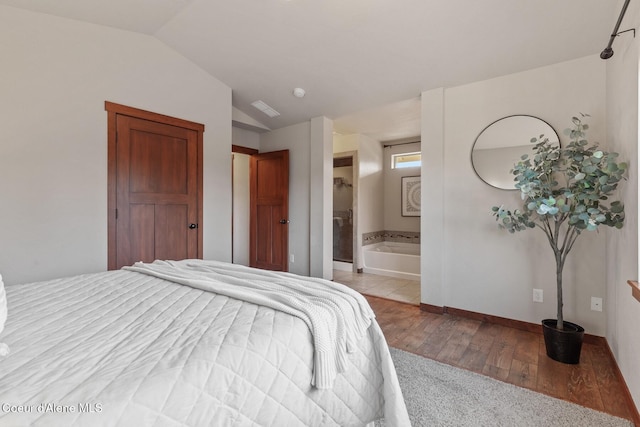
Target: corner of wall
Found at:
321, 198
622, 116
432, 217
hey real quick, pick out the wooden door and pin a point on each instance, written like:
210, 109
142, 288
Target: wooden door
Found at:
269, 228
157, 181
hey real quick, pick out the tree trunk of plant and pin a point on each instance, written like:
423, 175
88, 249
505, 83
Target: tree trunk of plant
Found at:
559, 268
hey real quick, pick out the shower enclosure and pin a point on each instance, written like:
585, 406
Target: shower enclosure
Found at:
343, 209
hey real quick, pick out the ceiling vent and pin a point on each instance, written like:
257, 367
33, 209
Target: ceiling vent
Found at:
265, 108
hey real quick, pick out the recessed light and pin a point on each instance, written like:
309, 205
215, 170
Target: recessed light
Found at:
299, 92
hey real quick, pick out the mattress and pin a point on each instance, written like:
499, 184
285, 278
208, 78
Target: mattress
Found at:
122, 348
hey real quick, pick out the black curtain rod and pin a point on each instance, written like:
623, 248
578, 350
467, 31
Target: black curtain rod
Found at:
401, 143
608, 51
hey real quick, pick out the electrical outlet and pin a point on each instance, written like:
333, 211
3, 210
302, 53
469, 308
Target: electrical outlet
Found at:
596, 304
537, 295
291, 258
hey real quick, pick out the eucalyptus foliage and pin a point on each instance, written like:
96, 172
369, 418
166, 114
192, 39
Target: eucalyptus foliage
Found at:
565, 191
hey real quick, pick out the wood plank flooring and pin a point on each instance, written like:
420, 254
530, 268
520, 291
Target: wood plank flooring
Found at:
506, 354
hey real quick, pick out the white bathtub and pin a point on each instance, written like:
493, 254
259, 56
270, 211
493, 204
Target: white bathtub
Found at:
400, 260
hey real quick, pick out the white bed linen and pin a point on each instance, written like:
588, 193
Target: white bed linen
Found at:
4, 349
126, 349
337, 316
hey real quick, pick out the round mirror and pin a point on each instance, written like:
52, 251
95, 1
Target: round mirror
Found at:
501, 144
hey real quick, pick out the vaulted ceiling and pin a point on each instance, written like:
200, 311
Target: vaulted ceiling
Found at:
352, 56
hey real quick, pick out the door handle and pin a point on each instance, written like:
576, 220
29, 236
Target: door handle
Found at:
192, 226
284, 221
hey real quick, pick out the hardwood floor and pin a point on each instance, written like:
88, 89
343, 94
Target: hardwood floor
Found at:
511, 355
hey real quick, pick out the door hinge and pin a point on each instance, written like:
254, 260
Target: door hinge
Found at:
116, 213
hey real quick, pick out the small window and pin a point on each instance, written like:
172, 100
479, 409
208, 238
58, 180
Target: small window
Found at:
406, 160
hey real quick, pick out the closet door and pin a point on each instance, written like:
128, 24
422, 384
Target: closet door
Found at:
157, 178
269, 200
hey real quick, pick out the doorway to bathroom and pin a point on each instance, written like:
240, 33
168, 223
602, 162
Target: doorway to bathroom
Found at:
378, 221
343, 217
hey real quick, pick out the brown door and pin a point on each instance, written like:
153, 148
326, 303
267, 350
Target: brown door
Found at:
269, 232
157, 190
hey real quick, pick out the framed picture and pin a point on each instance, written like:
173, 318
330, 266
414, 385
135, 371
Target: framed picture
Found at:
410, 196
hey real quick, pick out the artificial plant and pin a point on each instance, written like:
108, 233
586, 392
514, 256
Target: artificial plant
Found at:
565, 191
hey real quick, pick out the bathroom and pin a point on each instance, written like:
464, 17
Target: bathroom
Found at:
376, 215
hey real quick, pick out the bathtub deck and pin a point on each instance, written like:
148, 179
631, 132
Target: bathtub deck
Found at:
380, 286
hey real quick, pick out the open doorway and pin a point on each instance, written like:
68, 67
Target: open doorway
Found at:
240, 207
386, 256
260, 208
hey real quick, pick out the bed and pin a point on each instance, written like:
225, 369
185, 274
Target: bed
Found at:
194, 343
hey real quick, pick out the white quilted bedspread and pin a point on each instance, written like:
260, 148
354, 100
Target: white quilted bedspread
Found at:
125, 349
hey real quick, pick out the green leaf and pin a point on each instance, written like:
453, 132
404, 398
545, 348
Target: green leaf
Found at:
590, 169
567, 184
617, 207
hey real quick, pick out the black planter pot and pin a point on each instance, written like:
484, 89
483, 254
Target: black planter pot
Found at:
563, 345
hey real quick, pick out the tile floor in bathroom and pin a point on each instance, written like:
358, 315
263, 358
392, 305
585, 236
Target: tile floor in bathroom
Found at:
402, 290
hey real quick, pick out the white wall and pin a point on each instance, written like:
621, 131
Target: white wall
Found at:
56, 75
245, 138
433, 283
393, 219
321, 202
242, 120
485, 269
370, 210
345, 143
623, 312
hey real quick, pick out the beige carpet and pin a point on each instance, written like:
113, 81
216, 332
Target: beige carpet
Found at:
441, 395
